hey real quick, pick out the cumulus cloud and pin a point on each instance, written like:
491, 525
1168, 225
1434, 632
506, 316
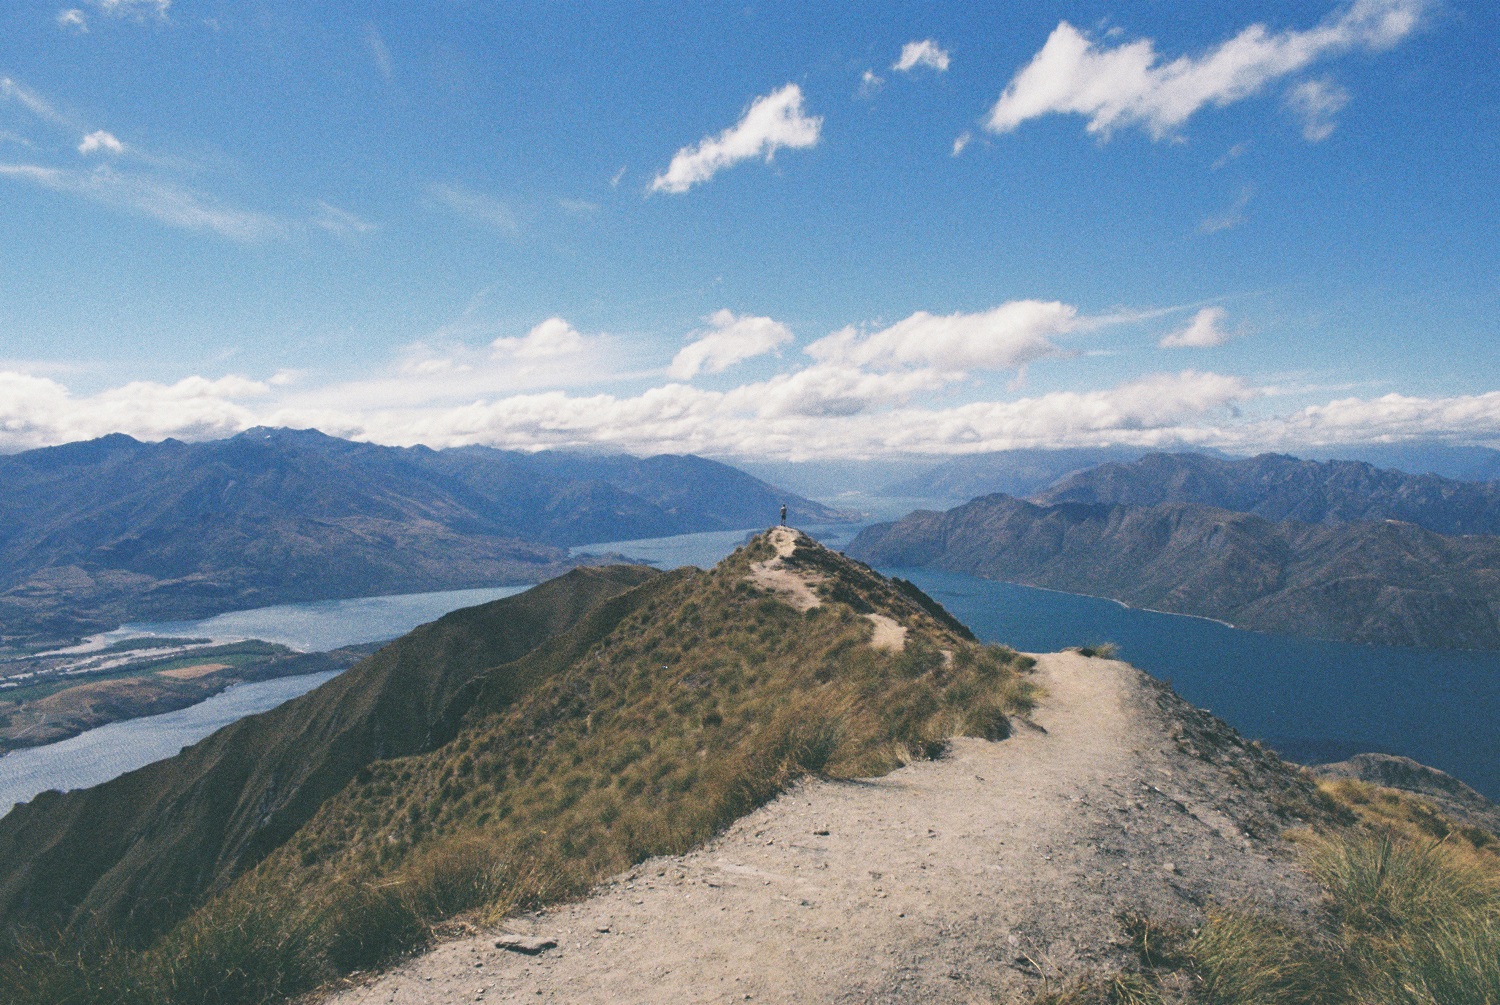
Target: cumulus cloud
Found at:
1316, 102
1129, 85
730, 340
73, 19
553, 337
1205, 331
1005, 337
773, 121
98, 141
921, 54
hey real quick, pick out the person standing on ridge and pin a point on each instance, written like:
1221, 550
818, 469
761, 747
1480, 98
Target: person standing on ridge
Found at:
783, 514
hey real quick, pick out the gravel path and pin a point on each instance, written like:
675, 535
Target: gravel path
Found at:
955, 880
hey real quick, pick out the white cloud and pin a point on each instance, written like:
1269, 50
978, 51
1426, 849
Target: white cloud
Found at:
773, 121
133, 8
378, 51
1006, 337
1234, 153
869, 83
99, 140
37, 411
1231, 217
732, 339
475, 205
34, 103
961, 142
340, 221
924, 53
73, 20
161, 200
578, 205
1129, 85
1205, 331
1316, 102
553, 337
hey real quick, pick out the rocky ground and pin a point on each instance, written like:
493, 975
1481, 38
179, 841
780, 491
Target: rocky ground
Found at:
988, 874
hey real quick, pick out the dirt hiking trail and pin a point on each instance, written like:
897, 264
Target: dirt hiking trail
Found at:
972, 878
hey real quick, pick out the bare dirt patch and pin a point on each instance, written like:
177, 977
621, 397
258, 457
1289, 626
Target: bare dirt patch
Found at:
775, 576
890, 634
983, 874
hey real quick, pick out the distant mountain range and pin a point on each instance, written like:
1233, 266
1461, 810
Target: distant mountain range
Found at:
102, 531
1013, 472
1376, 581
1278, 487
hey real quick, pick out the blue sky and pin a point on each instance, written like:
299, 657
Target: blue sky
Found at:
1261, 225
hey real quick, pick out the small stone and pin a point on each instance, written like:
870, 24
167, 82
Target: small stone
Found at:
528, 944
1170, 867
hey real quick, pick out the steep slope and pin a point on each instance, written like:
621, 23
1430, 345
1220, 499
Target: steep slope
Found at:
656, 720
988, 875
135, 853
1278, 488
1385, 582
93, 533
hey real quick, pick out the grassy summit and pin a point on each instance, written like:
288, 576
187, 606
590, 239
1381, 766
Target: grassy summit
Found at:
655, 720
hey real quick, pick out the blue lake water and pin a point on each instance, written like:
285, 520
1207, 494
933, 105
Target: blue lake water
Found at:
104, 753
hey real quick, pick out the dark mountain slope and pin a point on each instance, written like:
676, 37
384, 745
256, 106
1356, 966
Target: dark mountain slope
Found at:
1382, 582
1278, 487
93, 533
135, 852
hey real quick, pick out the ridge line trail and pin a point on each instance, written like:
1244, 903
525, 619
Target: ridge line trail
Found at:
954, 880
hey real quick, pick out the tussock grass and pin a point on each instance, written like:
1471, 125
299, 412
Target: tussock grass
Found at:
1100, 650
703, 699
1414, 920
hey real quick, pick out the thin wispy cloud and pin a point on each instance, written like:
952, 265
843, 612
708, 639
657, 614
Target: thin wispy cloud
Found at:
1229, 156
133, 8
924, 54
869, 83
14, 91
73, 19
476, 206
379, 52
161, 200
1129, 85
773, 121
1316, 102
1231, 217
961, 141
340, 221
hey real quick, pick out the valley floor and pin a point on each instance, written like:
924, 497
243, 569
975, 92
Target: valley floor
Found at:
983, 874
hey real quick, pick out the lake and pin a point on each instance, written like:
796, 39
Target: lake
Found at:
101, 754
1313, 701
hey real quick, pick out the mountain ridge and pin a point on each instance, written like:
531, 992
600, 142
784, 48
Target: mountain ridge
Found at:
1382, 582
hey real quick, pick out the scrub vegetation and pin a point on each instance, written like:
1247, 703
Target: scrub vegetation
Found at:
1413, 919
693, 699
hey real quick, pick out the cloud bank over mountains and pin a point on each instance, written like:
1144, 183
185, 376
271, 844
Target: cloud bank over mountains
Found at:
906, 388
